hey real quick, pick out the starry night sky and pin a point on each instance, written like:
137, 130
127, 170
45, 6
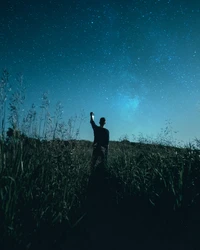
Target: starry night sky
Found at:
137, 63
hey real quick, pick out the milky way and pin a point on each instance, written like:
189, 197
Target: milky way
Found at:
135, 62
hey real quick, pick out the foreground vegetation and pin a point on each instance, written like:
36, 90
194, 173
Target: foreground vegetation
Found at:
47, 192
147, 196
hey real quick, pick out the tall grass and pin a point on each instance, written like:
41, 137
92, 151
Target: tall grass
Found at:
41, 175
4, 89
153, 170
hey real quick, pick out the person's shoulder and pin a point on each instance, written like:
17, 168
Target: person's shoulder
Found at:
106, 130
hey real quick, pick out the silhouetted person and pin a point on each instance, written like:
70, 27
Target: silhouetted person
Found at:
101, 140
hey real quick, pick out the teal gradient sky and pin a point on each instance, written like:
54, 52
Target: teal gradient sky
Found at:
137, 63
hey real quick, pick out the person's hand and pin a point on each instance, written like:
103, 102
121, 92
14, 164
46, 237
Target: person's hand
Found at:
92, 116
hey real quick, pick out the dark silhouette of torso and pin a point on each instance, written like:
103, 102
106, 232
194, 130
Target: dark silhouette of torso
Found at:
101, 135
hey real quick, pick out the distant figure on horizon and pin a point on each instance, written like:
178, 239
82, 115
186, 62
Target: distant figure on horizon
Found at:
101, 140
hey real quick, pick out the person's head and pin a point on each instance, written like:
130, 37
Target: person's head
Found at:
102, 121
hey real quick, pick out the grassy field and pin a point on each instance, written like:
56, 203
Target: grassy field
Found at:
147, 195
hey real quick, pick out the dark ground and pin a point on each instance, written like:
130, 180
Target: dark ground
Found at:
132, 224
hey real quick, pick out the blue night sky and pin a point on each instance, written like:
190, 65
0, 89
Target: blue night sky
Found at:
137, 63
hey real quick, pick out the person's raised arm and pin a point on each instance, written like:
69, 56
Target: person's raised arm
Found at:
92, 120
